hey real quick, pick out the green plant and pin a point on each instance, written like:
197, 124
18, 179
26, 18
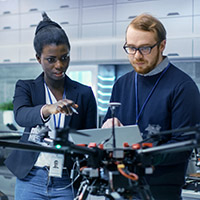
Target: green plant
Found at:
6, 106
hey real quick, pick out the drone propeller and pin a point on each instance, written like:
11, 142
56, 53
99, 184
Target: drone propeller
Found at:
12, 134
6, 135
79, 133
188, 130
17, 132
68, 130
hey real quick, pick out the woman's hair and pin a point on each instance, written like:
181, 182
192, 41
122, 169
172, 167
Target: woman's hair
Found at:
49, 32
146, 22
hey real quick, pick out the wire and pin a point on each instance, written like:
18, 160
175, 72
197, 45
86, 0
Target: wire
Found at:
82, 168
73, 180
106, 140
132, 176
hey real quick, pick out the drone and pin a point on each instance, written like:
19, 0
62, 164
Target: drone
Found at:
116, 173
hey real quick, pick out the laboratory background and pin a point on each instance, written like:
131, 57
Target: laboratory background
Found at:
96, 30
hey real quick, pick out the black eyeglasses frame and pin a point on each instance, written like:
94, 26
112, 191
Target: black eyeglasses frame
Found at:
140, 49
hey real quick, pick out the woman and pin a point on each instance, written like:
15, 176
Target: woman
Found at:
53, 100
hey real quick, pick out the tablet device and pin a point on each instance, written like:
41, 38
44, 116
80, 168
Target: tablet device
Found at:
129, 134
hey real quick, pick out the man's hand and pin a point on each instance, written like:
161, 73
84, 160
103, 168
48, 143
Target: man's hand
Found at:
108, 123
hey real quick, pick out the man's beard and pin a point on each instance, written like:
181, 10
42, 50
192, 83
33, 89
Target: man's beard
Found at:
148, 67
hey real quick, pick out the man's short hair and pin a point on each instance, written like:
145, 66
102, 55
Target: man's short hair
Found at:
146, 22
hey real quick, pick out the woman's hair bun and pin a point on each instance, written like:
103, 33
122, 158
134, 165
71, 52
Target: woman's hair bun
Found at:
46, 22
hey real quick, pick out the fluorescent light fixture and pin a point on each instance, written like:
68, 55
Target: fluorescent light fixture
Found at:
106, 78
105, 86
102, 109
104, 94
103, 101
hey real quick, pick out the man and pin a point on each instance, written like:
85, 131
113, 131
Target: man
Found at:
157, 96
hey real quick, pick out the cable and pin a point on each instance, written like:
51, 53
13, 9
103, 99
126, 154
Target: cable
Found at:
73, 181
106, 140
132, 176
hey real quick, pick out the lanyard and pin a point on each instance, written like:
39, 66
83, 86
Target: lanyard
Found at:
138, 114
54, 117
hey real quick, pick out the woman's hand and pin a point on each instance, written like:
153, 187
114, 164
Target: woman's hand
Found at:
65, 106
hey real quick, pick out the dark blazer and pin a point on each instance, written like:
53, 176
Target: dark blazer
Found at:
28, 100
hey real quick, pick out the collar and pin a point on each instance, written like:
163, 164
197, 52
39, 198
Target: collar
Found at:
159, 68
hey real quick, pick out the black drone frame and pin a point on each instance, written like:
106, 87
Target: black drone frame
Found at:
108, 183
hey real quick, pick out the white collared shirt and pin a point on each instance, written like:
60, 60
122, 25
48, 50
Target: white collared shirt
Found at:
44, 159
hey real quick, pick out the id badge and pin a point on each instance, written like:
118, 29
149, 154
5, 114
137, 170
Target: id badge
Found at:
56, 166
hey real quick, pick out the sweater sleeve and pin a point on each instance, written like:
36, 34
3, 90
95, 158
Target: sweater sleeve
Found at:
185, 113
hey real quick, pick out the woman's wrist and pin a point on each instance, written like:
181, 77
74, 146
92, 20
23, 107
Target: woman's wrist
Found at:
45, 113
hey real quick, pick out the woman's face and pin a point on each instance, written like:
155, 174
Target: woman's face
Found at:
55, 61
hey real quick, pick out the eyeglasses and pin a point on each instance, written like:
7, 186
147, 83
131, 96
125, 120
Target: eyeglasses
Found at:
143, 50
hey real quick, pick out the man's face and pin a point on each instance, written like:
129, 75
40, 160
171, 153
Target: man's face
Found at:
138, 38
